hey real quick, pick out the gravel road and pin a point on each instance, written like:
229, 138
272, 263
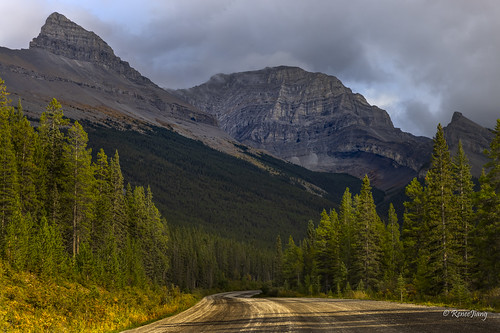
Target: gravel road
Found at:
238, 312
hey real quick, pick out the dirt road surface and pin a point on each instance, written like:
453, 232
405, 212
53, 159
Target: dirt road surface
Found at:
238, 312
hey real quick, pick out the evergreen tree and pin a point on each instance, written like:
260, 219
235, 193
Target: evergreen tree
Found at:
464, 192
9, 185
367, 256
51, 160
309, 251
18, 239
487, 232
24, 141
327, 246
292, 263
79, 186
414, 228
392, 246
103, 221
347, 222
277, 263
118, 204
441, 217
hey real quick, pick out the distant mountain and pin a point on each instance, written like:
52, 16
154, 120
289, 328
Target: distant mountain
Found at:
475, 139
313, 120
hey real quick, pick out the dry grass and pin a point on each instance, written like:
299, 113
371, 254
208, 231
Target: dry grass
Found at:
31, 304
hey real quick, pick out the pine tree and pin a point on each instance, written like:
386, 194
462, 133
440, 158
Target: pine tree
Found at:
18, 239
487, 235
9, 186
51, 160
277, 263
367, 254
24, 141
414, 227
347, 222
392, 246
118, 204
79, 186
327, 247
101, 227
441, 216
464, 192
309, 251
292, 263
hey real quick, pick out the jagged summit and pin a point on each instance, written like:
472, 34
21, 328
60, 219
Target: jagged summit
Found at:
474, 137
61, 36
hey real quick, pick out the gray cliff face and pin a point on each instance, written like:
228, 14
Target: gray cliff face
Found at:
63, 37
313, 120
475, 139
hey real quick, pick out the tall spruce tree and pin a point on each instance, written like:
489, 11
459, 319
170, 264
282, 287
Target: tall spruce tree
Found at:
292, 263
9, 186
367, 256
79, 186
487, 235
24, 141
327, 246
414, 229
347, 222
393, 248
51, 160
464, 193
441, 216
277, 276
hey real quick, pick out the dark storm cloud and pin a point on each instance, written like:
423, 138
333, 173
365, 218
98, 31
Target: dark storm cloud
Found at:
425, 59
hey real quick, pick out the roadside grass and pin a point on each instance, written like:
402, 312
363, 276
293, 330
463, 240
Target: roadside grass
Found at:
29, 303
485, 301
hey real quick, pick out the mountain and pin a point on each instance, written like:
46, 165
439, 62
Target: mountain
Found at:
313, 120
475, 139
81, 70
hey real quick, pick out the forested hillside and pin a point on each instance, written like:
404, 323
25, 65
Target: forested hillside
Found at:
447, 250
196, 185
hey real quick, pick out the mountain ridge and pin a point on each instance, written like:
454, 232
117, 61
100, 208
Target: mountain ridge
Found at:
78, 68
300, 116
310, 119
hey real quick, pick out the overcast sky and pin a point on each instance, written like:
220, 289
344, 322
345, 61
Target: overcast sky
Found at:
420, 60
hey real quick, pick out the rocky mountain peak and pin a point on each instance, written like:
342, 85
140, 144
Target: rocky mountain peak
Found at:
475, 138
63, 37
313, 120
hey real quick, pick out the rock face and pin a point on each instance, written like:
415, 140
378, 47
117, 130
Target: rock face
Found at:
63, 37
475, 139
313, 120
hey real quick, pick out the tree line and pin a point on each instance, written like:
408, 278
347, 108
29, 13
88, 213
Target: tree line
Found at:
448, 245
65, 213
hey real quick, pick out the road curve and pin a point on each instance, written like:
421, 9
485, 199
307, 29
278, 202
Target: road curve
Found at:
238, 312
